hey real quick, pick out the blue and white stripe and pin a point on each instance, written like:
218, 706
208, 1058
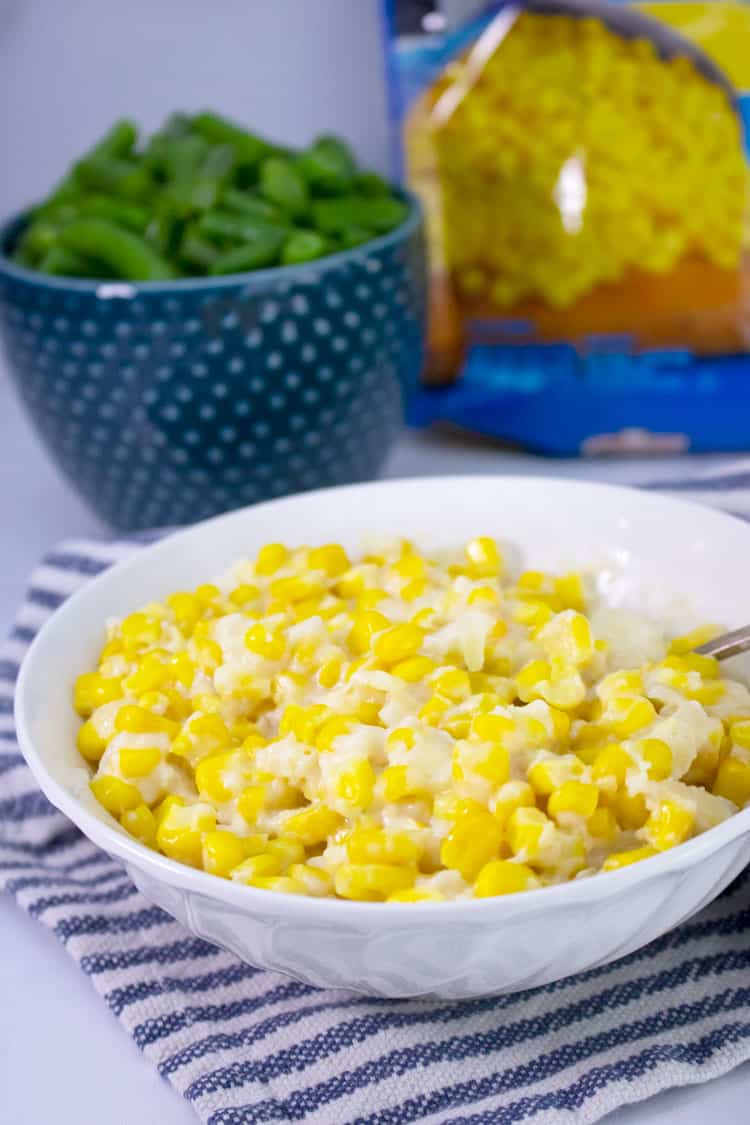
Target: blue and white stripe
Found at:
245, 1046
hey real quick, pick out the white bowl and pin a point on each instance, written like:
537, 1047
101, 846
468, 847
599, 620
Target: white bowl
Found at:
683, 561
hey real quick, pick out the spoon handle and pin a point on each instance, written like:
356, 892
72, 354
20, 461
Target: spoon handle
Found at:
728, 644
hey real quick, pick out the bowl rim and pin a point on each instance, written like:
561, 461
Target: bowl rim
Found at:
117, 842
305, 272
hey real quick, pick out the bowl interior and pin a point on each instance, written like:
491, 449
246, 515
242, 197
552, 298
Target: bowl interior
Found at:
677, 560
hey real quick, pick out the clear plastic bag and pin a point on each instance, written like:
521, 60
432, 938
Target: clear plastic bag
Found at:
584, 171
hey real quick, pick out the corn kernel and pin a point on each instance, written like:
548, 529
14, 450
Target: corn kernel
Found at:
251, 801
524, 830
503, 877
270, 559
400, 738
332, 729
137, 720
473, 841
416, 894
617, 860
371, 882
315, 880
138, 761
657, 756
612, 762
491, 728
186, 611
331, 558
221, 851
669, 825
89, 742
255, 867
630, 810
287, 850
265, 642
548, 774
485, 559
286, 591
577, 797
180, 831
571, 591
414, 669
355, 785
377, 845
453, 683
313, 825
329, 673
602, 823
514, 795
739, 733
244, 594
733, 781
694, 639
626, 715
365, 626
117, 796
140, 823
398, 643
93, 690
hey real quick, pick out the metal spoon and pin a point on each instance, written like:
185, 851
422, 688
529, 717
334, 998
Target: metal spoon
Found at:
728, 644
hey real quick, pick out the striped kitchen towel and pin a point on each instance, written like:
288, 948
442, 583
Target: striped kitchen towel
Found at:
243, 1045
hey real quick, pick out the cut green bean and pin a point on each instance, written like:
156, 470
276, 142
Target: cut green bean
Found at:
197, 252
39, 238
328, 168
371, 185
263, 252
122, 178
130, 215
223, 226
332, 216
117, 141
353, 236
249, 149
303, 246
128, 256
283, 184
203, 195
246, 203
64, 263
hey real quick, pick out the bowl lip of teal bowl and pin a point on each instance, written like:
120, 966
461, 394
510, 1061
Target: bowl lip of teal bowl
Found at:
255, 278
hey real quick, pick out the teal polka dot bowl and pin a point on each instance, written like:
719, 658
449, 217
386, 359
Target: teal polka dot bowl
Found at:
165, 403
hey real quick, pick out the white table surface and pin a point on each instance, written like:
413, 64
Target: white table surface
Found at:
63, 1057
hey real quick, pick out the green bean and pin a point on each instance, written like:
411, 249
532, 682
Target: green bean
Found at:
282, 183
303, 246
252, 206
326, 167
117, 141
39, 238
197, 252
181, 157
370, 184
249, 149
64, 263
264, 251
236, 228
332, 216
353, 236
130, 215
127, 255
121, 178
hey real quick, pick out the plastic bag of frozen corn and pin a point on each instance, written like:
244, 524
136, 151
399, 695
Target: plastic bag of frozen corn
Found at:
585, 176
